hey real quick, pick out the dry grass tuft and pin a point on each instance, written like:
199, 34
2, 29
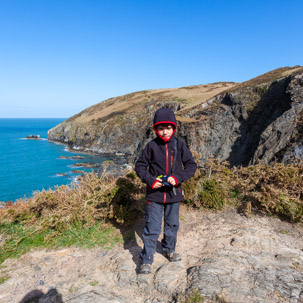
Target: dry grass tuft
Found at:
92, 200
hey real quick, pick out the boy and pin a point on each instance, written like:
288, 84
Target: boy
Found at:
163, 156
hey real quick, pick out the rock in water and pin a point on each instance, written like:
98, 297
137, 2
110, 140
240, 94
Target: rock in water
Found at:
86, 164
35, 137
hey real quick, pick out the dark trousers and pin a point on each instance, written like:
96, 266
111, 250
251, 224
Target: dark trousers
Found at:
152, 229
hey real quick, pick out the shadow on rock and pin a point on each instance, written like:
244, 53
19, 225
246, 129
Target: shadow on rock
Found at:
273, 103
130, 241
37, 296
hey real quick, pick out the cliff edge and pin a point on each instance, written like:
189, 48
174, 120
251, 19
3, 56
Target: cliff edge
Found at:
260, 119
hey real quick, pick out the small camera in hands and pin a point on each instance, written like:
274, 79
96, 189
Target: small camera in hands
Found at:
164, 180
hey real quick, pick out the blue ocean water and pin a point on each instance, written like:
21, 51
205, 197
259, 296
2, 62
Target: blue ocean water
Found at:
31, 165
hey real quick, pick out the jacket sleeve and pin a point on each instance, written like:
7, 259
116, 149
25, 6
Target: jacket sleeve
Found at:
188, 162
142, 165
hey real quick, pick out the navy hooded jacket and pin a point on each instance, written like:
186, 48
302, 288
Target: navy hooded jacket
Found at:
157, 159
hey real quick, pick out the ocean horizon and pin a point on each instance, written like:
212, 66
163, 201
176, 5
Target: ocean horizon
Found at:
33, 165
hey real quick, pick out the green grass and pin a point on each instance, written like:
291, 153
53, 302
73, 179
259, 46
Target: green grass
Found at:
3, 274
89, 237
284, 232
21, 238
194, 297
3, 279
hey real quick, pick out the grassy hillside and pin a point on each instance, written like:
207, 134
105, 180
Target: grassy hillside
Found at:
186, 96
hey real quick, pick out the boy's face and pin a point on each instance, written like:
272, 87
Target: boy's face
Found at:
165, 131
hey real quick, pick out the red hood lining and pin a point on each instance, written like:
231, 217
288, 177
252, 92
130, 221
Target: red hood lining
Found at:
165, 122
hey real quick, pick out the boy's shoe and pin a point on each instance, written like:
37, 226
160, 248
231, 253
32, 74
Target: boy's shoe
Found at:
145, 269
172, 257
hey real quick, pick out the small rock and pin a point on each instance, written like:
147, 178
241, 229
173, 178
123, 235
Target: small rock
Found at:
86, 164
78, 172
61, 175
77, 157
34, 137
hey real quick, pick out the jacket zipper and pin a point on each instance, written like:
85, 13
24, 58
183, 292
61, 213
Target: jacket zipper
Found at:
167, 163
167, 159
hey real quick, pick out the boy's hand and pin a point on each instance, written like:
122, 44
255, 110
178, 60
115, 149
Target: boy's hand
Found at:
158, 184
171, 181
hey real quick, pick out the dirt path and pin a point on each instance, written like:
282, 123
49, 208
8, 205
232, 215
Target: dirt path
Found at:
224, 255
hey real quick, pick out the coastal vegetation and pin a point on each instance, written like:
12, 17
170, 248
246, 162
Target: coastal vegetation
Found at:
85, 215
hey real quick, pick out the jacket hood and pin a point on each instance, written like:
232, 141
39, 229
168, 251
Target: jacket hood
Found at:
165, 115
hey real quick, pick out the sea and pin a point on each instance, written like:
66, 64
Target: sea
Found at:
28, 166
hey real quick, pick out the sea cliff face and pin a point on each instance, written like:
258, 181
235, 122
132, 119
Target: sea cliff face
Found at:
260, 119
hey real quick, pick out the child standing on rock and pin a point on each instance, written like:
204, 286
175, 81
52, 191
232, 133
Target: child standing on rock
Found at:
160, 167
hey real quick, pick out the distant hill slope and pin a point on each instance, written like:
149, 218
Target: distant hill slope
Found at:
240, 122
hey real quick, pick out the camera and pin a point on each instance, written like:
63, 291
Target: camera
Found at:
164, 180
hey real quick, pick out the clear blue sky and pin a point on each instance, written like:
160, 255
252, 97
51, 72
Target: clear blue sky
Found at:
59, 57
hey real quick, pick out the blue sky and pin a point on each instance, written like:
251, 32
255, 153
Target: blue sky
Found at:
60, 57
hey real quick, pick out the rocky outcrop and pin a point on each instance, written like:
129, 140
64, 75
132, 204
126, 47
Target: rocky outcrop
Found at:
261, 119
86, 164
258, 120
226, 257
122, 126
78, 172
33, 137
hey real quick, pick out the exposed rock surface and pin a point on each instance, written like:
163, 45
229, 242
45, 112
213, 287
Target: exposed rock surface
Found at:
225, 255
122, 126
78, 172
86, 164
72, 158
33, 137
256, 120
261, 119
77, 157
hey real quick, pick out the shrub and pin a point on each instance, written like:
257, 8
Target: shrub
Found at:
212, 195
275, 189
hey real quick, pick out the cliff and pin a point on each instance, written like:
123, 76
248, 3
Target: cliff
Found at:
260, 119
